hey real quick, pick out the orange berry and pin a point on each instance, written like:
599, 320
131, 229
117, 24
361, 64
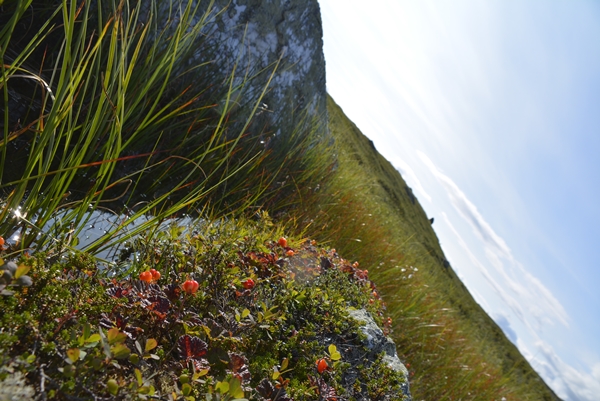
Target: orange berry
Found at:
282, 242
1, 241
155, 274
289, 253
190, 286
248, 284
321, 365
146, 276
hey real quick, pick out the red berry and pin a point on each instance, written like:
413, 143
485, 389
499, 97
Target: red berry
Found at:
321, 365
190, 286
289, 253
155, 274
248, 284
146, 276
1, 241
282, 242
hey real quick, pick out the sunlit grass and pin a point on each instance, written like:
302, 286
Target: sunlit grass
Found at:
115, 123
452, 348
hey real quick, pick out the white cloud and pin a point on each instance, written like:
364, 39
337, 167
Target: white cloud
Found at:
468, 211
569, 383
524, 293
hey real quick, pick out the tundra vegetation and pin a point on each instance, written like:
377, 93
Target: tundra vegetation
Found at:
202, 296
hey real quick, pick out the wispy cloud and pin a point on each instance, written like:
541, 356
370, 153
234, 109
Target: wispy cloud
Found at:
569, 383
524, 293
468, 211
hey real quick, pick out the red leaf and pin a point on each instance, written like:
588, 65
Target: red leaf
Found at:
191, 347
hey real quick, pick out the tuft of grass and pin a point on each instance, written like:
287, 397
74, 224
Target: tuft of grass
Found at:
115, 121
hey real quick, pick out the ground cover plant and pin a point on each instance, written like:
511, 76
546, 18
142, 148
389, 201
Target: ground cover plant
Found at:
215, 311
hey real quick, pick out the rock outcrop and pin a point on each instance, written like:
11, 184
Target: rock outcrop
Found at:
272, 45
257, 34
377, 343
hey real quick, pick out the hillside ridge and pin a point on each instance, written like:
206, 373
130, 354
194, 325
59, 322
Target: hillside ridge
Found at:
389, 187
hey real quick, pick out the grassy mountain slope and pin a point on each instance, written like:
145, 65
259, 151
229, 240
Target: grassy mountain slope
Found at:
454, 348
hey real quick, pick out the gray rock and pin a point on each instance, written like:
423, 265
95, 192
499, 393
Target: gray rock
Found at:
15, 388
377, 342
276, 45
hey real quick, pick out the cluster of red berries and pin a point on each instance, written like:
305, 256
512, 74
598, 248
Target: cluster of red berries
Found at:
150, 276
282, 242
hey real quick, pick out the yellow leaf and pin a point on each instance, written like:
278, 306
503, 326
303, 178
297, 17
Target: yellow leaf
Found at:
21, 270
150, 345
73, 354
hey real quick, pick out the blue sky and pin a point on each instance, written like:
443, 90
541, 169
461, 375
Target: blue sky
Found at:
491, 112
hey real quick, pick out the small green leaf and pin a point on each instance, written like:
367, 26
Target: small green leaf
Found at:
86, 331
22, 270
105, 346
235, 388
245, 313
134, 358
334, 353
112, 386
284, 363
276, 374
199, 374
186, 389
138, 376
120, 351
151, 343
94, 338
115, 336
69, 371
222, 387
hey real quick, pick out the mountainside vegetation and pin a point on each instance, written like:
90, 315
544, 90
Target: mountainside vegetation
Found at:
229, 257
454, 349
